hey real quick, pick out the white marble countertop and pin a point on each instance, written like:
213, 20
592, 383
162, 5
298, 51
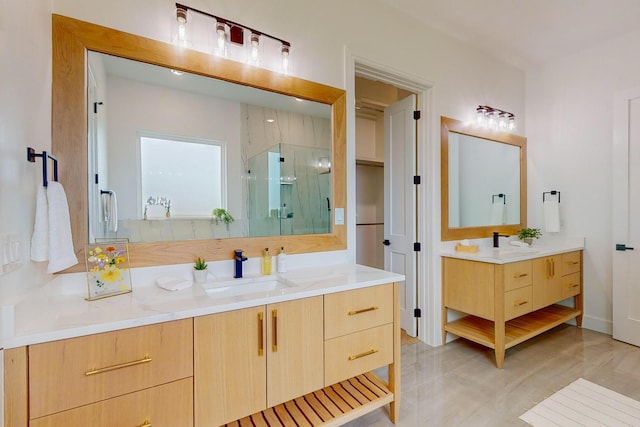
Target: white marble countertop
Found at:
507, 253
58, 310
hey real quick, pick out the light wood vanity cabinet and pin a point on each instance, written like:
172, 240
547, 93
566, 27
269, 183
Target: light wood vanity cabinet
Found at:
503, 305
252, 359
308, 359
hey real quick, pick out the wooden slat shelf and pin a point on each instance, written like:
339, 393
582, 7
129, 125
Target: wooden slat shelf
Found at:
517, 330
331, 406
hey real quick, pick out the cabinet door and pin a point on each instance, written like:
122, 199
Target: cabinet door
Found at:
547, 284
295, 349
229, 365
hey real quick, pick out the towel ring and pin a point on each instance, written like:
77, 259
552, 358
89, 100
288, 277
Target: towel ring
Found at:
503, 196
553, 193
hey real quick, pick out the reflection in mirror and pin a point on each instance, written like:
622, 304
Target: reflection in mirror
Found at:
168, 148
484, 182
483, 177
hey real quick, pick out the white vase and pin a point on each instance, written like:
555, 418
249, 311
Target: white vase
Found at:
200, 276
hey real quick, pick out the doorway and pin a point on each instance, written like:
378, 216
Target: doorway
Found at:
386, 193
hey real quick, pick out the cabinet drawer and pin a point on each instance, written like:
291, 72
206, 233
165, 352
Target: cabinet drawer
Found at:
571, 263
97, 367
570, 285
168, 405
518, 302
351, 311
517, 275
357, 353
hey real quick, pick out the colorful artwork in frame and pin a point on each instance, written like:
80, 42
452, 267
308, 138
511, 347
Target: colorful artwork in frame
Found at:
108, 271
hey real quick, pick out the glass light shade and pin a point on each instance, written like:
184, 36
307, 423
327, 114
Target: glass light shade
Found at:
180, 32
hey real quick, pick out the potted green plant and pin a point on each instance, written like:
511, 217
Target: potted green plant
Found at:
528, 234
222, 215
200, 270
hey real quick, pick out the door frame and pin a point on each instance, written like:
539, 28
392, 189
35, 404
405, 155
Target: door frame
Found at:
428, 165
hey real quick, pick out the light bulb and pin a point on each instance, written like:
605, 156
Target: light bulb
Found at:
285, 58
491, 120
180, 36
502, 121
481, 116
512, 122
222, 35
255, 44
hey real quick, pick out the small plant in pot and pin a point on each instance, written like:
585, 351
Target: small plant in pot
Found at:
200, 270
528, 234
222, 215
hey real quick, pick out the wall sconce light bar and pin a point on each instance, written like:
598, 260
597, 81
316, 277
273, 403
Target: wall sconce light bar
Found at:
494, 118
235, 29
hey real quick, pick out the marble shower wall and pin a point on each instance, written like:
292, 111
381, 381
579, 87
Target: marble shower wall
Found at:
289, 194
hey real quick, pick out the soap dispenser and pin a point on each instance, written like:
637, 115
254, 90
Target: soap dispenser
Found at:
282, 261
266, 262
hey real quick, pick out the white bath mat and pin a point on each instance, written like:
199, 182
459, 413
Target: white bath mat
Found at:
583, 403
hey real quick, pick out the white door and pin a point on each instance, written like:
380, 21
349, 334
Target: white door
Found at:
400, 203
626, 217
95, 207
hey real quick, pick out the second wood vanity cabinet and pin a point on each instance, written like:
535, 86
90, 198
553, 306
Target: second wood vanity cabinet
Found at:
503, 305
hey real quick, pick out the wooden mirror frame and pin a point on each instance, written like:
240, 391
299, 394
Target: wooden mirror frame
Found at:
457, 233
71, 41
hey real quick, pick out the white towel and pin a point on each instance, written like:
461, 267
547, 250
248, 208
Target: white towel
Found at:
61, 253
498, 213
40, 237
551, 215
110, 210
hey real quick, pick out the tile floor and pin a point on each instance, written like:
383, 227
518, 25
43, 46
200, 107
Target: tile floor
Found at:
459, 385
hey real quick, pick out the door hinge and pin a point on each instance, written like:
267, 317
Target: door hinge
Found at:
281, 159
416, 180
416, 115
95, 107
417, 312
417, 247
96, 178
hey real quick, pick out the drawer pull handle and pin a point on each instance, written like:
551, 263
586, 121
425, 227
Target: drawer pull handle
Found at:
366, 353
146, 359
274, 319
574, 285
364, 310
146, 424
260, 333
520, 276
573, 262
519, 303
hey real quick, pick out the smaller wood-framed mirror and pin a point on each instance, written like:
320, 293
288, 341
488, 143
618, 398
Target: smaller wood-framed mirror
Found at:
483, 181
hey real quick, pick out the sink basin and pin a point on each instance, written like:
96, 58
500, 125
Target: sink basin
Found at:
512, 252
246, 286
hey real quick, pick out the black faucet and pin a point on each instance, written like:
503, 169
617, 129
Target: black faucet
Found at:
496, 239
239, 259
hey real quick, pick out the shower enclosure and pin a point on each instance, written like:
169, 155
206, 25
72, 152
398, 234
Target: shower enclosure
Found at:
290, 191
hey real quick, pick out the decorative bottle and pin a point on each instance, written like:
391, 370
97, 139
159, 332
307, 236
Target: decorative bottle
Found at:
266, 262
282, 261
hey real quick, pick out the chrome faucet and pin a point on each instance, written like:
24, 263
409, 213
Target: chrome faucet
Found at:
239, 259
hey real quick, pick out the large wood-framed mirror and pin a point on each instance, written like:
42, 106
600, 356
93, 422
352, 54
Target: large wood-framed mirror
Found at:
483, 181
73, 39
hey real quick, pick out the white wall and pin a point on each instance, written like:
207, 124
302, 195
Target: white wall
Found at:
570, 131
319, 31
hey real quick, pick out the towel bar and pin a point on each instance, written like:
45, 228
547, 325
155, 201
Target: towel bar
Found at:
31, 157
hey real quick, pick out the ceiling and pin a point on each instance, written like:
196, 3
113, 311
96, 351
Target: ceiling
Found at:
527, 33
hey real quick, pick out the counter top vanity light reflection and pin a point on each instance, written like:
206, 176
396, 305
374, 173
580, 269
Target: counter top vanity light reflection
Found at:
58, 310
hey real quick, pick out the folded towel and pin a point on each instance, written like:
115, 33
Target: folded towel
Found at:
40, 237
61, 253
498, 212
551, 210
173, 283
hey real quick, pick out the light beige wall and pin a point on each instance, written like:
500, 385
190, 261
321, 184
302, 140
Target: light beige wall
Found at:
570, 141
25, 120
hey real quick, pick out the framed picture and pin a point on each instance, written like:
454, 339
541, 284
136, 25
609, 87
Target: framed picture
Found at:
108, 271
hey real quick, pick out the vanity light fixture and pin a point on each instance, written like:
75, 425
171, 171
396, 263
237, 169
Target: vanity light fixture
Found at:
229, 34
495, 119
